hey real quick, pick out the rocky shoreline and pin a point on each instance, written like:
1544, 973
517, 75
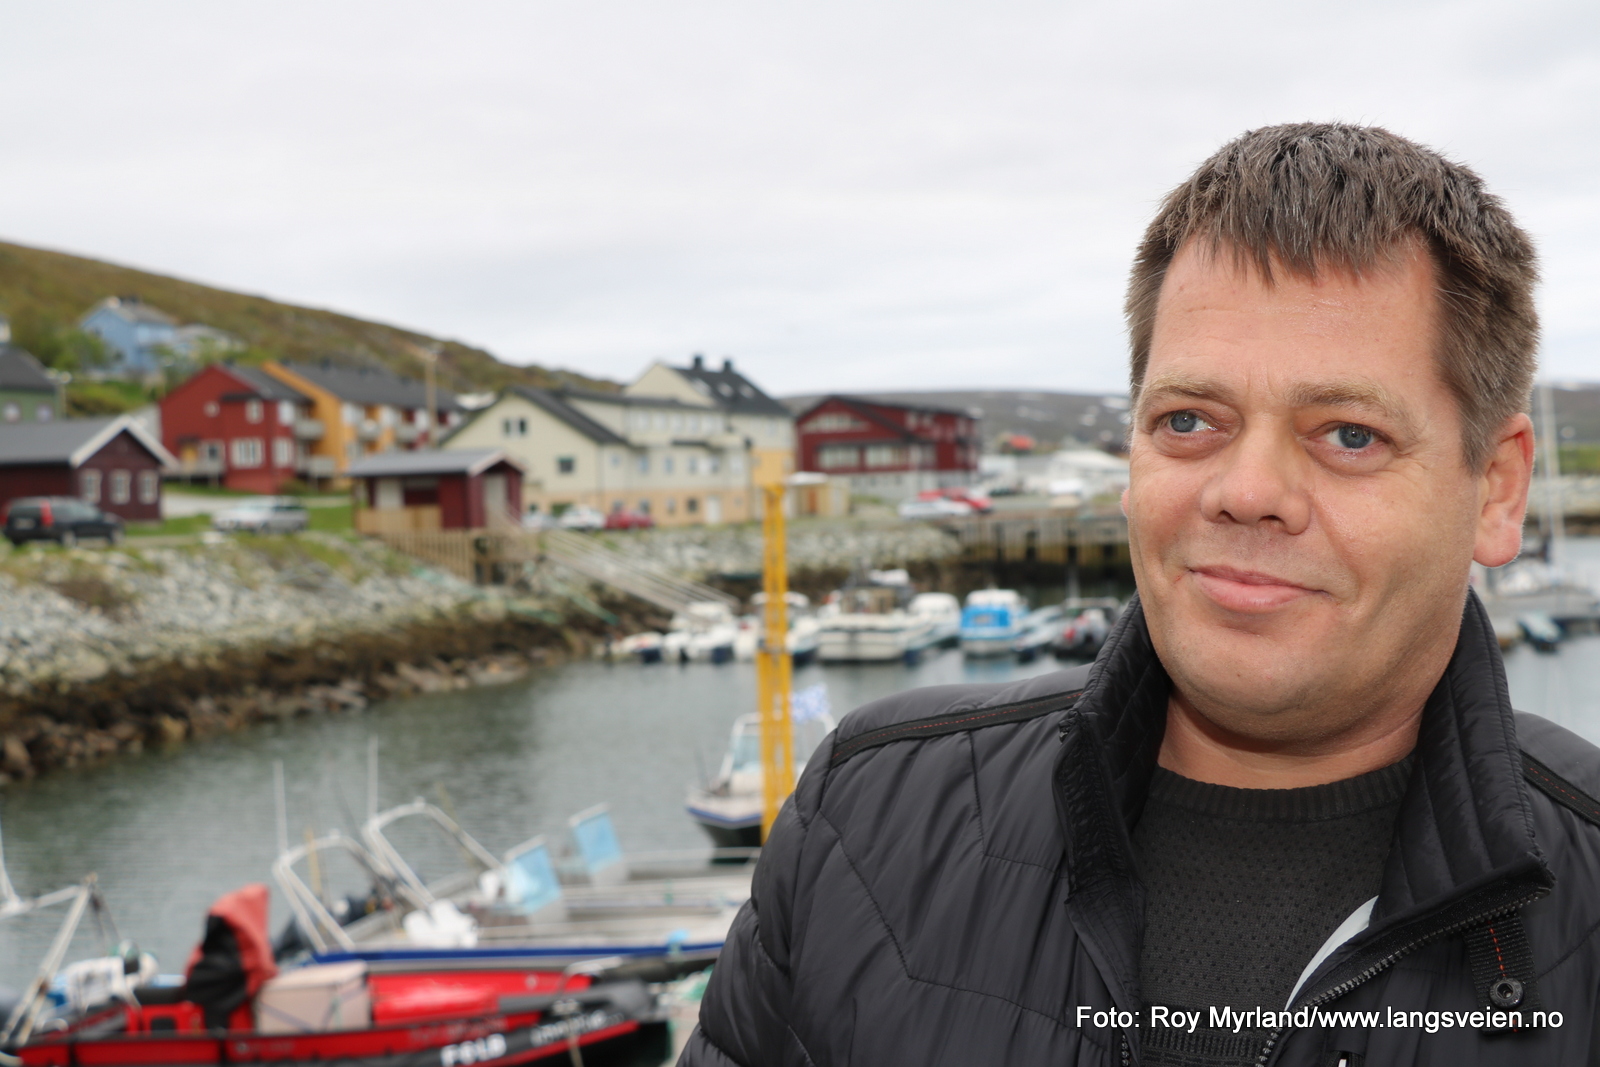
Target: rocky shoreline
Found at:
106, 652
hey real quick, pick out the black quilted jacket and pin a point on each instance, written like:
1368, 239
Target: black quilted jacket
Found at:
952, 881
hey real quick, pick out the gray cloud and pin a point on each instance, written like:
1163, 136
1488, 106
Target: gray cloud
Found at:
839, 195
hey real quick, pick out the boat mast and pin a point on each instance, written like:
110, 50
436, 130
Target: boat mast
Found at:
772, 661
1553, 513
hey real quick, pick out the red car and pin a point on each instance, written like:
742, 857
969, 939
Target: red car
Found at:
975, 499
629, 520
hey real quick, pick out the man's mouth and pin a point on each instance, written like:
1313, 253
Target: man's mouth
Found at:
1245, 591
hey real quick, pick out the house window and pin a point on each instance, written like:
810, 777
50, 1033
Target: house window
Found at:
252, 410
885, 456
666, 464
121, 486
149, 487
834, 422
691, 505
693, 464
736, 463
566, 464
616, 461
286, 413
351, 414
644, 507
522, 427
505, 427
713, 464
89, 485
211, 451
661, 420
677, 424
282, 452
385, 415
514, 427
247, 451
212, 409
672, 505
44, 413
643, 462
837, 457
11, 412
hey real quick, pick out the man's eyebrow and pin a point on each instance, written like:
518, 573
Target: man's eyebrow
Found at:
1345, 393
1353, 393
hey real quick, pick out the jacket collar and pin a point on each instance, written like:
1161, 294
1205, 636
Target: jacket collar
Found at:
1464, 841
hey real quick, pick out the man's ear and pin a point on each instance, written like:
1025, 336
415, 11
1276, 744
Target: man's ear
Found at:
1503, 493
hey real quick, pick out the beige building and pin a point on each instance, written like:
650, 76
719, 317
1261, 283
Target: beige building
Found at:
686, 445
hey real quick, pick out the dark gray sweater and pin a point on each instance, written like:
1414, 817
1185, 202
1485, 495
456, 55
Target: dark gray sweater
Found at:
1243, 886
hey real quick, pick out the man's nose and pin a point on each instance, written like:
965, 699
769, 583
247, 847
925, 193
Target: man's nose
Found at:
1262, 476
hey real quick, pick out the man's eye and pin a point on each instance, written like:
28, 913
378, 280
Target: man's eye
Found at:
1186, 422
1354, 438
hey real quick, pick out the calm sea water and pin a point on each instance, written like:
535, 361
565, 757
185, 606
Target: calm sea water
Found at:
167, 832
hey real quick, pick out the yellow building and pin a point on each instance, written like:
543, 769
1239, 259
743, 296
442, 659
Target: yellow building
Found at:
357, 411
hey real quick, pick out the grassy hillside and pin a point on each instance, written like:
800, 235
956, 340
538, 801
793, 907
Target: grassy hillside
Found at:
45, 293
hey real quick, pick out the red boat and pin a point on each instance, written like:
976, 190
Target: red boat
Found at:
235, 1007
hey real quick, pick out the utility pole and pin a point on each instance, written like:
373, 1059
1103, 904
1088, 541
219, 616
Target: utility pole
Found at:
773, 665
430, 356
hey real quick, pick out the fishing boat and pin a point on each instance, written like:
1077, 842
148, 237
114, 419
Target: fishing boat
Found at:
991, 622
233, 1005
492, 909
729, 807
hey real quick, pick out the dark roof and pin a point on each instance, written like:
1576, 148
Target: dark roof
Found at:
371, 385
429, 461
70, 441
631, 400
556, 406
265, 385
881, 401
19, 370
731, 390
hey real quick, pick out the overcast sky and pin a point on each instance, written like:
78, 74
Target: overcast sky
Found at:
842, 196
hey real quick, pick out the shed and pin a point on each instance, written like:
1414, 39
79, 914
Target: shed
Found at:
431, 489
111, 462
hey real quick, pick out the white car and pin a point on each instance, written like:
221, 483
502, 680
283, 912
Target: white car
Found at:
581, 517
267, 514
934, 509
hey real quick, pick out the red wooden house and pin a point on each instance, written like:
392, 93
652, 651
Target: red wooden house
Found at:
428, 489
239, 427
888, 450
113, 463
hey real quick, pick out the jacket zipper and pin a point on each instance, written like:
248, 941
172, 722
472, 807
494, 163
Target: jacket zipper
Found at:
1378, 967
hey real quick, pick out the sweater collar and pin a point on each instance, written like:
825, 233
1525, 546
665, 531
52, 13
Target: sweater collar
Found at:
1465, 828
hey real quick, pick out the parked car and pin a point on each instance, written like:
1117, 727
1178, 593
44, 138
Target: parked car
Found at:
581, 517
63, 519
267, 514
938, 508
629, 520
976, 499
533, 519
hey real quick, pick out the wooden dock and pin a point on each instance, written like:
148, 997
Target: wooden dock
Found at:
1043, 537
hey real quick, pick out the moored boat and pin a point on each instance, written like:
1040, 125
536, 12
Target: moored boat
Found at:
991, 621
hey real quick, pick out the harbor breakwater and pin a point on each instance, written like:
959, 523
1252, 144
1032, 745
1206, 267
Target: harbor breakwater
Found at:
107, 651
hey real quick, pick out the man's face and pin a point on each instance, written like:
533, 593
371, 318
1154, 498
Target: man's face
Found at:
1300, 513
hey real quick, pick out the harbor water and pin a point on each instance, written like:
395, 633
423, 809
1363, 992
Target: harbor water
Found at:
166, 832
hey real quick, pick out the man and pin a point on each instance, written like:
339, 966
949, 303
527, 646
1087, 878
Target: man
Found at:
1292, 783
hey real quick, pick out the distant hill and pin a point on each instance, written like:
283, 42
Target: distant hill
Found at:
1050, 418
44, 293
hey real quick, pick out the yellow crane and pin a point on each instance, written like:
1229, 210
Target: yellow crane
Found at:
773, 666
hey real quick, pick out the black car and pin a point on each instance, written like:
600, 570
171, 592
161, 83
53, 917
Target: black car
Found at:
62, 519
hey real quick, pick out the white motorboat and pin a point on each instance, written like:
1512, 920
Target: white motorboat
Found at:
805, 629
871, 624
704, 632
943, 613
729, 807
992, 622
1040, 631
